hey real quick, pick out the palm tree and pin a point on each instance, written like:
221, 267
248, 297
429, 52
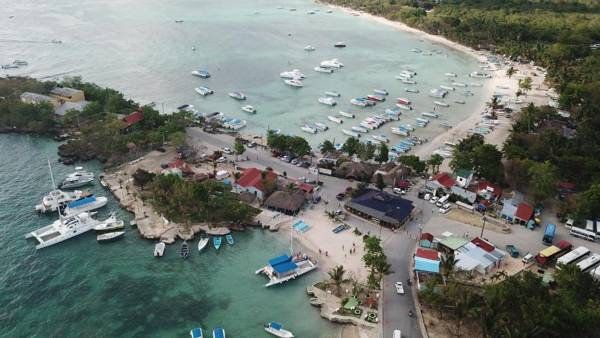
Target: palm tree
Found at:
447, 263
510, 72
337, 277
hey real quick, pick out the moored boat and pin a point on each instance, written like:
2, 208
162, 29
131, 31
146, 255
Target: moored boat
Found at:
202, 243
249, 109
451, 75
308, 129
335, 119
237, 95
399, 131
219, 333
323, 70
185, 250
159, 249
459, 101
447, 87
292, 74
402, 100
196, 333
381, 138
321, 126
277, 329
110, 236
327, 101
294, 83
375, 97
333, 63
459, 84
339, 44
403, 106
84, 204
217, 240
441, 104
201, 73
112, 223
360, 129
58, 198
333, 94
381, 92
345, 114
350, 133
203, 90
77, 179
411, 90
407, 81
430, 114
63, 229
421, 120
285, 268
309, 48
229, 239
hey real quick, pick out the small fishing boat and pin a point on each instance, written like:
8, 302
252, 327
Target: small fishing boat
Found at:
196, 333
441, 104
327, 101
476, 84
381, 92
110, 236
360, 129
339, 44
323, 70
348, 115
159, 249
217, 242
277, 329
459, 84
333, 63
204, 91
219, 333
335, 119
333, 94
375, 97
445, 125
237, 95
308, 129
202, 243
451, 74
447, 87
381, 138
430, 114
201, 73
350, 133
459, 101
407, 81
480, 75
373, 141
421, 120
411, 90
185, 250
249, 109
321, 126
294, 83
403, 106
416, 50
309, 48
402, 100
402, 76
292, 74
110, 224
229, 239
400, 131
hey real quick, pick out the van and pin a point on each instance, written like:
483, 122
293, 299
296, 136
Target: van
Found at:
398, 191
442, 200
527, 258
222, 174
569, 223
397, 334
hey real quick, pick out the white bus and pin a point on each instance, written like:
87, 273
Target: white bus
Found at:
572, 256
589, 262
583, 233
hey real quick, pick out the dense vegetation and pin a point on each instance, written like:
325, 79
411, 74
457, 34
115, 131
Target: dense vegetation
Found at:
375, 260
190, 201
100, 131
295, 145
520, 305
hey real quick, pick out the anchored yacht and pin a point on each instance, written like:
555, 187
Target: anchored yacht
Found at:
58, 198
77, 179
63, 229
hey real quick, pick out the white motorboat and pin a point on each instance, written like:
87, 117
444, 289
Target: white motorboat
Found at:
84, 204
381, 138
292, 74
403, 106
459, 101
58, 198
459, 84
310, 12
285, 268
407, 81
402, 100
335, 119
362, 102
350, 133
409, 72
411, 90
451, 74
63, 229
327, 101
447, 87
480, 75
112, 223
422, 120
159, 249
430, 114
333, 63
277, 329
308, 129
402, 76
201, 73
376, 97
441, 104
237, 95
309, 48
360, 129
294, 83
202, 243
339, 44
333, 94
321, 126
77, 179
323, 70
204, 91
348, 115
110, 236
399, 131
381, 92
249, 109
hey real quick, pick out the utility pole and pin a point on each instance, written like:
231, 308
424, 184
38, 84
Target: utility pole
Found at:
483, 228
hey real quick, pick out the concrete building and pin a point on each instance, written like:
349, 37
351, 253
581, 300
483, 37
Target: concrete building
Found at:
67, 94
382, 208
251, 181
463, 177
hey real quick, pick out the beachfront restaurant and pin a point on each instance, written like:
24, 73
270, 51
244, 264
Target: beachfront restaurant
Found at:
382, 208
285, 202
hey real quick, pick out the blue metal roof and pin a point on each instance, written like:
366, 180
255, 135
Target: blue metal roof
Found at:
427, 265
80, 202
279, 260
285, 267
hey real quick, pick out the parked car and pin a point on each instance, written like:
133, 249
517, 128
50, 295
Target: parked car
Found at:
397, 334
340, 196
221, 159
251, 145
399, 288
433, 199
227, 151
399, 191
445, 208
294, 161
421, 194
305, 164
512, 250
427, 197
527, 258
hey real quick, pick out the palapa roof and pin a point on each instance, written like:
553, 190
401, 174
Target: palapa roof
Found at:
285, 200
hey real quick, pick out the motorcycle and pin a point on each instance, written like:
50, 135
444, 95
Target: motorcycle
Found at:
410, 313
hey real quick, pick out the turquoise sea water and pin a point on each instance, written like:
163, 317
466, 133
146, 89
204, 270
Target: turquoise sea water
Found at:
136, 46
80, 288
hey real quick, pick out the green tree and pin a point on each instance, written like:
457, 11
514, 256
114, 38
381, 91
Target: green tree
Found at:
142, 177
383, 154
511, 71
542, 180
413, 162
327, 147
178, 138
298, 146
525, 85
337, 275
238, 148
366, 151
434, 162
447, 264
588, 202
379, 182
351, 146
487, 161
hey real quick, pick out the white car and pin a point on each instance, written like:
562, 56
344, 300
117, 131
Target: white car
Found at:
227, 151
427, 197
399, 288
221, 159
399, 191
527, 258
397, 333
433, 199
445, 208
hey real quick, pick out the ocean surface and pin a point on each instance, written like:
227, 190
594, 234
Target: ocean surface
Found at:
137, 47
80, 288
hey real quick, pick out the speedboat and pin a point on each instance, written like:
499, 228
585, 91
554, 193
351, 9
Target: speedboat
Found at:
335, 119
350, 133
403, 100
447, 87
321, 126
237, 95
430, 114
292, 74
441, 104
229, 239
294, 83
202, 90
403, 106
58, 198
308, 129
185, 250
339, 44
63, 229
110, 236
112, 223
360, 129
83, 204
333, 94
327, 100
411, 90
333, 63
277, 329
309, 48
402, 76
249, 109
381, 91
202, 243
348, 115
159, 249
201, 73
375, 97
217, 242
381, 138
219, 332
451, 74
324, 70
77, 179
196, 333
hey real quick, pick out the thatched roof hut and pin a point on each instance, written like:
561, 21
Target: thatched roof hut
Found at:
286, 202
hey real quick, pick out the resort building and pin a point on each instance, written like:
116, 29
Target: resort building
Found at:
513, 212
35, 98
524, 213
251, 182
464, 194
477, 255
463, 177
64, 94
286, 202
441, 181
382, 208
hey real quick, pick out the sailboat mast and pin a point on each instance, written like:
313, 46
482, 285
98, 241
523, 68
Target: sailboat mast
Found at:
291, 239
51, 175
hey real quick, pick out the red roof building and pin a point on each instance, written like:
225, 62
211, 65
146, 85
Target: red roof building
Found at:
482, 243
133, 118
524, 212
489, 190
307, 188
252, 181
444, 179
427, 254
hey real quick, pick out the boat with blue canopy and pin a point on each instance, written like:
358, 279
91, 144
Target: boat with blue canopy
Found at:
196, 333
277, 329
217, 242
229, 239
219, 332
